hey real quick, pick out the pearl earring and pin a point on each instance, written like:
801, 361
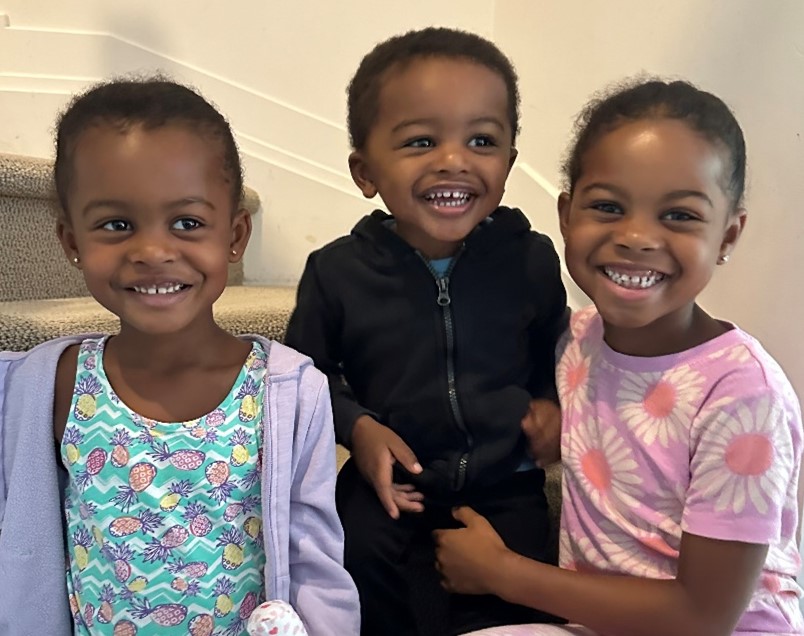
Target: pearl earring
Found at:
723, 259
234, 252
76, 260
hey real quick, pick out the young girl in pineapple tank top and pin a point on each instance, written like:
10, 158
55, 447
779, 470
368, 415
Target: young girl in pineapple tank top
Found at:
681, 437
195, 472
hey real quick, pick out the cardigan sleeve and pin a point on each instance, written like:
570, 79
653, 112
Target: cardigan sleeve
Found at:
320, 588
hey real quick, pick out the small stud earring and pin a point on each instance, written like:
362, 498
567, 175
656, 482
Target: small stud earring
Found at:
76, 260
234, 252
724, 258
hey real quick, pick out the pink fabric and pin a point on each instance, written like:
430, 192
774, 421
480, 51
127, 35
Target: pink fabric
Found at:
707, 441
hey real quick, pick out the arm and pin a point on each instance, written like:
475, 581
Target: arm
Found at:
320, 588
313, 330
714, 584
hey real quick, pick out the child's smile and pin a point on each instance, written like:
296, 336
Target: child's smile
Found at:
647, 221
439, 151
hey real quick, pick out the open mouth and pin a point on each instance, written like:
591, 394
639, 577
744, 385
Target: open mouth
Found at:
164, 288
449, 198
634, 280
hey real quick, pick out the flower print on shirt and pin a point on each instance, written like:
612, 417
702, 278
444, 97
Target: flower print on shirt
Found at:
743, 459
659, 406
572, 378
603, 464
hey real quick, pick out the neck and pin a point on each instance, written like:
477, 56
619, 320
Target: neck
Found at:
668, 335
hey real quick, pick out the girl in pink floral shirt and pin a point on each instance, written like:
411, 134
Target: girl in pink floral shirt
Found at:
681, 436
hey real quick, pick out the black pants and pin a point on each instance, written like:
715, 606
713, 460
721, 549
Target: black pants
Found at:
393, 561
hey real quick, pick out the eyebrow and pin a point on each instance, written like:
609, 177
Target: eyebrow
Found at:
431, 121
670, 196
124, 207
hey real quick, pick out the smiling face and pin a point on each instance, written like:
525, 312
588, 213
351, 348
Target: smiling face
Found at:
644, 228
439, 151
151, 221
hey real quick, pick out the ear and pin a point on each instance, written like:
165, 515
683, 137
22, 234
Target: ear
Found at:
512, 158
361, 174
66, 235
241, 231
731, 234
563, 204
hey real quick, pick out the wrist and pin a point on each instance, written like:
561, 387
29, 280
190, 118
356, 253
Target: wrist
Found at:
504, 578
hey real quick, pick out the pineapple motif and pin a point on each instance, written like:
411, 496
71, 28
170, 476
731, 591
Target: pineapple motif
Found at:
82, 541
240, 439
192, 570
120, 556
85, 509
232, 541
247, 395
87, 389
75, 607
234, 510
140, 477
217, 474
166, 615
215, 419
202, 625
238, 624
160, 549
89, 614
105, 611
253, 528
124, 628
121, 440
90, 363
223, 590
176, 491
72, 438
146, 521
96, 460
200, 525
184, 459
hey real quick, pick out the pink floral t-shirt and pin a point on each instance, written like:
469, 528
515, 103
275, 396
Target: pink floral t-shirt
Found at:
707, 441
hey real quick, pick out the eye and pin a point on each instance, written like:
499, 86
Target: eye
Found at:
482, 141
185, 224
680, 215
607, 207
116, 225
419, 142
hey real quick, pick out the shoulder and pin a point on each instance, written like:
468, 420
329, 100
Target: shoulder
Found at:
285, 362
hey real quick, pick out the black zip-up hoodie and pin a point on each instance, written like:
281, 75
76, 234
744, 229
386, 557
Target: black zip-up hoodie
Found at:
449, 364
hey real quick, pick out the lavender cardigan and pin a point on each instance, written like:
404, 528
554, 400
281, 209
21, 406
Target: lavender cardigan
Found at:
303, 536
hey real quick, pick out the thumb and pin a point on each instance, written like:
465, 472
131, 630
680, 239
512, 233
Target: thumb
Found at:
405, 456
466, 515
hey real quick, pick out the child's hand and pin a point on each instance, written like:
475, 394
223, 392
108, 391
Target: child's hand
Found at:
542, 427
467, 558
375, 448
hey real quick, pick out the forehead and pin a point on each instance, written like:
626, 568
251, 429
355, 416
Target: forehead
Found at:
442, 88
164, 159
662, 154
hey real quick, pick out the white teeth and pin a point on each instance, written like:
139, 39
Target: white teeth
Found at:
448, 198
169, 288
634, 281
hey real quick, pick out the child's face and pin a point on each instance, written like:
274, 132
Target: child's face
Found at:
646, 224
151, 211
439, 151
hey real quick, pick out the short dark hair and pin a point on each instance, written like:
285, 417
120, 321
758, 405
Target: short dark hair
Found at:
150, 102
364, 89
639, 99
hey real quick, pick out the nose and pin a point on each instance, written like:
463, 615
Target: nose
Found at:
451, 158
152, 248
638, 232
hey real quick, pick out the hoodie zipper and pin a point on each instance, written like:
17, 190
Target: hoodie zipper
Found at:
443, 300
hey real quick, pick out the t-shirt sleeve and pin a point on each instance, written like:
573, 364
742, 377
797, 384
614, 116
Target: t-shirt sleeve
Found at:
744, 455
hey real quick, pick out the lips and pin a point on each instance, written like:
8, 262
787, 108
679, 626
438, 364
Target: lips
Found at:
634, 279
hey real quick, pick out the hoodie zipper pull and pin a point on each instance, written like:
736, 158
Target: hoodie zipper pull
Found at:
443, 291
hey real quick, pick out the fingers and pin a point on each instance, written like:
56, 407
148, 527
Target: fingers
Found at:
466, 515
407, 498
381, 480
405, 456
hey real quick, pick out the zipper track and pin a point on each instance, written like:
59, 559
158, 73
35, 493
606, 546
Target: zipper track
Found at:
443, 300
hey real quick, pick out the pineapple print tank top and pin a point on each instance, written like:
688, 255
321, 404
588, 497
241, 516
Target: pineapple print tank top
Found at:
164, 520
